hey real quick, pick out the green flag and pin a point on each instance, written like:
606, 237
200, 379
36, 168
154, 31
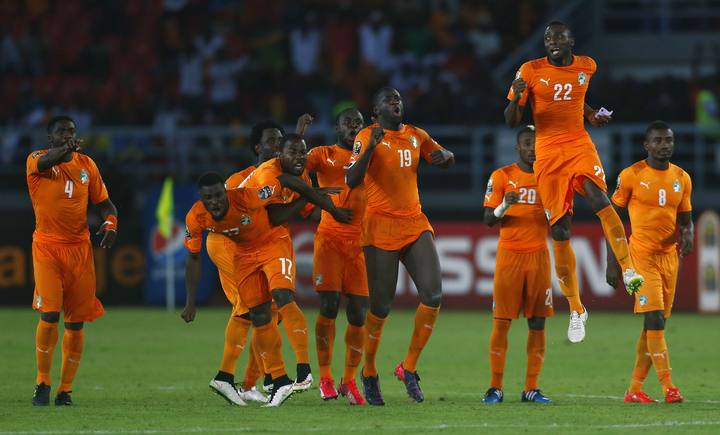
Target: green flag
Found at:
165, 209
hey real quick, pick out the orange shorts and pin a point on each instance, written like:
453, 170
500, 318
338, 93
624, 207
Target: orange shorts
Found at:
522, 281
339, 265
561, 175
393, 234
222, 253
259, 270
660, 272
65, 280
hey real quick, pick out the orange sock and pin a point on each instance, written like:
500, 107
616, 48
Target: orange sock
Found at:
424, 323
567, 275
296, 329
660, 358
373, 333
498, 349
324, 341
72, 347
235, 337
267, 338
354, 337
46, 336
615, 235
643, 362
254, 368
535, 357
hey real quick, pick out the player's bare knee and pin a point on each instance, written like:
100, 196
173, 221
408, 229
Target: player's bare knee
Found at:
50, 317
282, 296
654, 321
74, 326
261, 315
329, 304
536, 323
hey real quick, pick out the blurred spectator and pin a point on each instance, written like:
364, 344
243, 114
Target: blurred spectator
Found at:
305, 45
376, 37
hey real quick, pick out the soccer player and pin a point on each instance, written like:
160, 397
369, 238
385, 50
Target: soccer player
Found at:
60, 181
339, 263
279, 183
386, 156
657, 196
567, 161
522, 268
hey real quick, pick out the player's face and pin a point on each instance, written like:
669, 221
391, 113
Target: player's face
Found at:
269, 145
214, 198
660, 144
390, 106
293, 157
62, 133
349, 125
558, 42
526, 147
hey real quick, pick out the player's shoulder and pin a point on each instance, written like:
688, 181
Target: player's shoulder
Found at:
586, 62
503, 172
36, 154
534, 65
196, 212
679, 173
635, 169
320, 150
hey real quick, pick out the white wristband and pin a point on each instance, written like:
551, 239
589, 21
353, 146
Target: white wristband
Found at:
500, 210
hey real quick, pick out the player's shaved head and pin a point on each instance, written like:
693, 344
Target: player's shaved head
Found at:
558, 23
56, 120
209, 179
350, 111
378, 96
656, 125
525, 130
290, 138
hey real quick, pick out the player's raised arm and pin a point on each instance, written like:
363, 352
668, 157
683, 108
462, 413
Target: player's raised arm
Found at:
355, 174
495, 215
303, 123
514, 110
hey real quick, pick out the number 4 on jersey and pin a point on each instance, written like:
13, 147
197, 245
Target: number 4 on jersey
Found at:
69, 188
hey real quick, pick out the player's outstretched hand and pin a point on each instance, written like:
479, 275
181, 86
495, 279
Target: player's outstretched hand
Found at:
73, 144
188, 313
342, 215
518, 86
108, 237
686, 243
328, 190
512, 198
442, 158
303, 123
612, 275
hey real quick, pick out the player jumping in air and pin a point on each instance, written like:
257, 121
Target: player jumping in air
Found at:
60, 181
657, 196
522, 268
567, 161
386, 158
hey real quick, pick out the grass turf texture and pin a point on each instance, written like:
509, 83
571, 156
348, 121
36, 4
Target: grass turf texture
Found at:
145, 371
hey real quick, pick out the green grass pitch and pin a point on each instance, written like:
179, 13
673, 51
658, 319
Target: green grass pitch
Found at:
146, 372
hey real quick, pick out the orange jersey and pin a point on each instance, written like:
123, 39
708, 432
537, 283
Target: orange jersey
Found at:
524, 228
654, 198
60, 195
329, 163
391, 177
246, 221
236, 179
557, 100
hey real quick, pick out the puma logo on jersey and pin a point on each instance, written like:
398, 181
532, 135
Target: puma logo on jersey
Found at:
546, 81
645, 184
514, 184
300, 331
387, 144
332, 162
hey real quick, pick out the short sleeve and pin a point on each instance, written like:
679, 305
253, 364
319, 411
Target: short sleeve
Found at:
315, 158
526, 74
193, 232
427, 146
685, 204
495, 191
623, 189
361, 141
96, 188
32, 162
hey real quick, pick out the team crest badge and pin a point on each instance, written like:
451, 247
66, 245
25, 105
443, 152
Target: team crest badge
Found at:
676, 185
489, 189
582, 78
35, 154
266, 192
245, 220
617, 186
84, 177
357, 147
643, 300
414, 141
38, 302
318, 279
187, 233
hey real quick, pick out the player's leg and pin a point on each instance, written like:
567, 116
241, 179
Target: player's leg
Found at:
48, 301
613, 229
643, 363
422, 263
538, 306
325, 341
72, 347
356, 311
382, 272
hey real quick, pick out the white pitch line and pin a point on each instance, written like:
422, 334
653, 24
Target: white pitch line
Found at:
671, 423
